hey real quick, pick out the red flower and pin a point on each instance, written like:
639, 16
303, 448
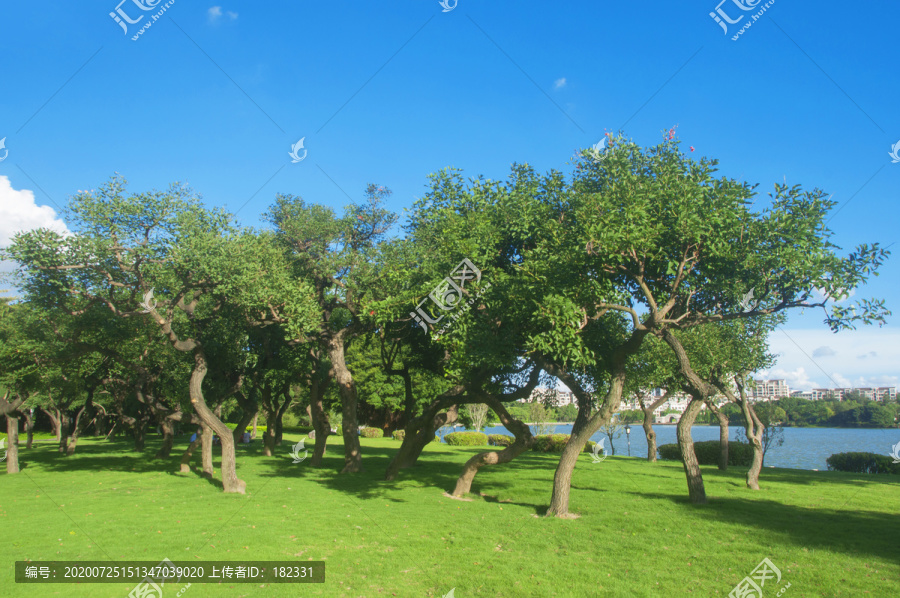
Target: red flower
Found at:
371, 313
692, 148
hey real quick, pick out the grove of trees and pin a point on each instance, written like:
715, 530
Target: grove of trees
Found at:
159, 312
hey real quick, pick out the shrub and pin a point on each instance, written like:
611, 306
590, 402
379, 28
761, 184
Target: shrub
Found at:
371, 433
466, 439
549, 443
437, 438
739, 453
555, 443
862, 463
500, 440
399, 435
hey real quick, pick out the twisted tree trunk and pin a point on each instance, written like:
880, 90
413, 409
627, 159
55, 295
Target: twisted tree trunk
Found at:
186, 457
421, 430
230, 481
347, 390
320, 422
648, 423
206, 452
522, 443
696, 491
755, 430
286, 401
168, 428
562, 478
249, 412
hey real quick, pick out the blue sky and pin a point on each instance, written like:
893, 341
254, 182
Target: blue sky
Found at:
215, 94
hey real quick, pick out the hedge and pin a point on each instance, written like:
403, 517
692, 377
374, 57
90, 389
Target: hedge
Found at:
739, 453
399, 435
554, 443
500, 440
862, 463
466, 439
371, 433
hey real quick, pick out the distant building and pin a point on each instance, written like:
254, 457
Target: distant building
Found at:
768, 390
880, 393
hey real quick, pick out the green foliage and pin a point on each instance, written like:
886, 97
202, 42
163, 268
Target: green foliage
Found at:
862, 463
371, 433
549, 443
500, 440
466, 439
869, 415
739, 453
399, 435
567, 413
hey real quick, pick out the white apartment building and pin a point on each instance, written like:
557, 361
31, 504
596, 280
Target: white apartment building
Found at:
767, 390
879, 393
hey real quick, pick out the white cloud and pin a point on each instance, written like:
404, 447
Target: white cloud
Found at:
215, 13
818, 295
824, 352
806, 358
796, 380
19, 212
559, 83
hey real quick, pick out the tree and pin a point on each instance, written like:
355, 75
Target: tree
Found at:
181, 269
335, 255
612, 429
540, 418
656, 226
477, 414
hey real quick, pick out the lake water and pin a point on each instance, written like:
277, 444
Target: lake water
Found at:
803, 448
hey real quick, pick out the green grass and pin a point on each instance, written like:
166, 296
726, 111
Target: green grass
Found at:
831, 534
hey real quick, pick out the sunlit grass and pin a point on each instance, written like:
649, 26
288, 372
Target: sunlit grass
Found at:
830, 534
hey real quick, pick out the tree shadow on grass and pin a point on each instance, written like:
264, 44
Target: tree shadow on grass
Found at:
853, 531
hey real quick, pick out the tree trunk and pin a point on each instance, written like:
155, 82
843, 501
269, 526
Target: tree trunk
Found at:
347, 390
54, 422
754, 429
409, 403
186, 457
253, 429
696, 491
12, 440
319, 419
269, 434
206, 452
168, 439
651, 435
140, 433
64, 422
523, 442
76, 431
562, 478
249, 412
723, 440
421, 430
286, 402
29, 427
230, 481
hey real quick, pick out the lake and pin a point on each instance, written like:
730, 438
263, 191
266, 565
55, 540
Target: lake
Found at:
803, 448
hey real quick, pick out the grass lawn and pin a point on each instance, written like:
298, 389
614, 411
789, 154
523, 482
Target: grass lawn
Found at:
830, 534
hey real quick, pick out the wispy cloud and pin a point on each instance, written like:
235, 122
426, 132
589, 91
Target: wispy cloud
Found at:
824, 352
215, 13
559, 83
